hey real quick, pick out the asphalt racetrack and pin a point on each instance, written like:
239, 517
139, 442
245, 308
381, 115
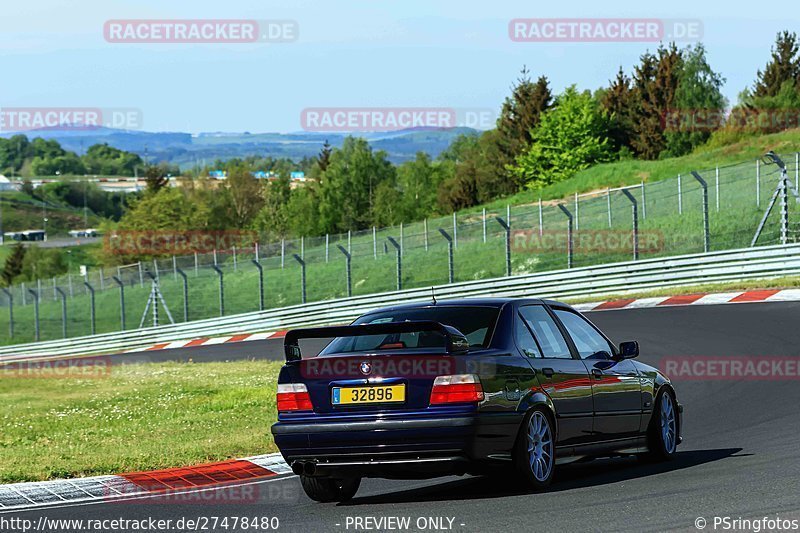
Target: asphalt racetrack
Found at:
740, 456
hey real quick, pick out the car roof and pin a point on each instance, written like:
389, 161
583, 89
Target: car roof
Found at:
464, 302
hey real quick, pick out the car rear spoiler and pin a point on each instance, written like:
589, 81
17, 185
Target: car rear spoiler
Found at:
456, 341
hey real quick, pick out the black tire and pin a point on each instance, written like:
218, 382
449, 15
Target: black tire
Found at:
529, 449
662, 435
327, 490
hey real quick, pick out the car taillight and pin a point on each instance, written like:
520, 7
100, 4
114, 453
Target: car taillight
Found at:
456, 389
293, 397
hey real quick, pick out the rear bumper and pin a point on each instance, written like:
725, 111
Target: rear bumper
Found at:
400, 448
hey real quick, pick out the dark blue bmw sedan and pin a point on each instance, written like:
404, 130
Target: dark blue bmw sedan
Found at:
465, 386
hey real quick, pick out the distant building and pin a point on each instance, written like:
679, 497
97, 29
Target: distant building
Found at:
297, 176
218, 174
27, 235
79, 233
6, 184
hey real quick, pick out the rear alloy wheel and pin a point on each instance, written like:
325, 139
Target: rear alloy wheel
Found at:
535, 453
327, 490
663, 432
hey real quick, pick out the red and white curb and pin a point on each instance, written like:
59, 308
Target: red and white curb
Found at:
763, 295
172, 481
208, 341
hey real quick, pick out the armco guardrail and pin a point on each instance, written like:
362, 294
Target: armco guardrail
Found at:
617, 278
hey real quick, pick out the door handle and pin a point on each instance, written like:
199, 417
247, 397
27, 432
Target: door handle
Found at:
597, 373
548, 372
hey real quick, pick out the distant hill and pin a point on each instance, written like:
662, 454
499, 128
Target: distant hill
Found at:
187, 150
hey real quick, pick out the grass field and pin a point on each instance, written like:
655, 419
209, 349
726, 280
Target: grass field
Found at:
137, 417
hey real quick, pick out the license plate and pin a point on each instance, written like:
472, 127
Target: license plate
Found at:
371, 394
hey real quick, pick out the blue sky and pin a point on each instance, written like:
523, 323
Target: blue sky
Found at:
394, 53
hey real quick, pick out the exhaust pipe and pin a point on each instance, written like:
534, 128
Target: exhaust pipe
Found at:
297, 467
309, 468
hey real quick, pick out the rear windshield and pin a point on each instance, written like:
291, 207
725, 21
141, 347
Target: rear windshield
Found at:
474, 322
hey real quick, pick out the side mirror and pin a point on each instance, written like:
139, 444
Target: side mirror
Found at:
628, 350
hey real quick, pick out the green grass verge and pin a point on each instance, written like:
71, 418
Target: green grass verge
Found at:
138, 417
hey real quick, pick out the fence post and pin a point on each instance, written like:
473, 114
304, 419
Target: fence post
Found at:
716, 186
303, 247
196, 265
349, 240
302, 277
758, 183
283, 252
644, 203
608, 202
24, 294
35, 314
327, 246
347, 258
484, 224
121, 302
63, 312
10, 312
455, 230
704, 185
235, 266
507, 228
182, 274
257, 252
425, 228
541, 229
634, 208
141, 275
569, 233
55, 294
450, 270
375, 242
91, 304
174, 268
260, 284
797, 172
680, 196
69, 283
218, 270
399, 264
577, 218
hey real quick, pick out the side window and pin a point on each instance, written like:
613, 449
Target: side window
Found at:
525, 340
587, 339
546, 331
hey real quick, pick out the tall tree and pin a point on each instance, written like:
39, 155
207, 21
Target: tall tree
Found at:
519, 116
324, 158
617, 101
155, 177
697, 102
570, 137
655, 84
245, 195
13, 265
347, 187
783, 66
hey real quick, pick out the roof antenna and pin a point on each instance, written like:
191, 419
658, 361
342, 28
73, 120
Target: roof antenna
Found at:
433, 296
